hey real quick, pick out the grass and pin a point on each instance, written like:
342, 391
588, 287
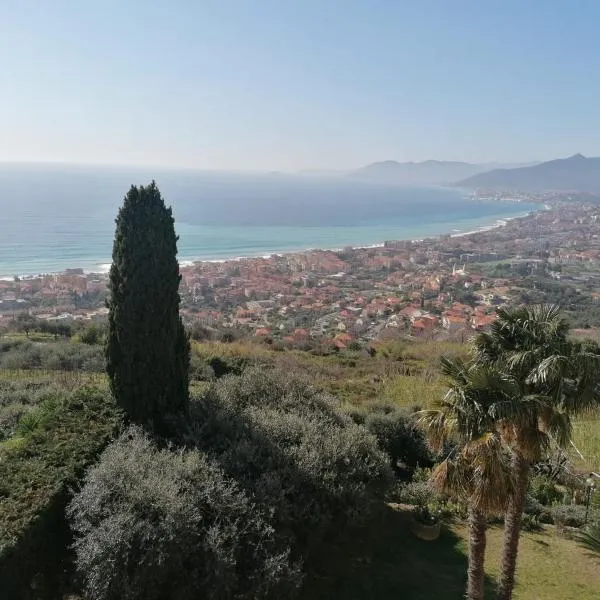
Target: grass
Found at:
386, 562
549, 566
409, 391
586, 437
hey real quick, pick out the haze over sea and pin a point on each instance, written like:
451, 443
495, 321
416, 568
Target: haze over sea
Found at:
55, 218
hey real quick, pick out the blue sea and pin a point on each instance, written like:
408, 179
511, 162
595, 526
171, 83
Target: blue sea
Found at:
58, 217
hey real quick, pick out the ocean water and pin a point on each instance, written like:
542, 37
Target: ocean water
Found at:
52, 218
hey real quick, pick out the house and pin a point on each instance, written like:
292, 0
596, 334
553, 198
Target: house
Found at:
262, 332
482, 322
418, 328
453, 322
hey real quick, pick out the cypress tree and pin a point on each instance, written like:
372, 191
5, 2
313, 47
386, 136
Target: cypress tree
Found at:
148, 350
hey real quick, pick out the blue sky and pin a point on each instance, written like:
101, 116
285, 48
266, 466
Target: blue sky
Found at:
297, 84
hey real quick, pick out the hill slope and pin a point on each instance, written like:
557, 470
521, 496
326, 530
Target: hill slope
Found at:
576, 173
430, 172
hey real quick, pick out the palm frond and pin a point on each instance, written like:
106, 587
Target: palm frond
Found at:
492, 476
590, 539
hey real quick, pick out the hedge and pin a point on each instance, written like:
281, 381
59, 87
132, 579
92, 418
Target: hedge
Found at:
37, 472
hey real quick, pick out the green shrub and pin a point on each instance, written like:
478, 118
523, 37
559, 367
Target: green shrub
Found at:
18, 397
154, 524
530, 523
569, 515
542, 489
230, 365
415, 493
397, 434
52, 356
200, 370
59, 440
293, 451
92, 335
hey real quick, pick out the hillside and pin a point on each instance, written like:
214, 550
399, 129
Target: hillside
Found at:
576, 173
429, 172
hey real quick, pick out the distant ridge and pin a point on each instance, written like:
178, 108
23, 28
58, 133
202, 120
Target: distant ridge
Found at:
576, 173
429, 172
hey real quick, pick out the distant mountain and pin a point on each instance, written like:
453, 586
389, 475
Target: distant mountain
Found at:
429, 172
576, 173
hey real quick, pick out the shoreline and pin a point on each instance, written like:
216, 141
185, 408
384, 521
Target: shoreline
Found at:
102, 268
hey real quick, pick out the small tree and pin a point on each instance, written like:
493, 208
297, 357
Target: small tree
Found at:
148, 350
26, 322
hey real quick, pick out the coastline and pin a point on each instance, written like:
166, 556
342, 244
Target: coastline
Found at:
102, 268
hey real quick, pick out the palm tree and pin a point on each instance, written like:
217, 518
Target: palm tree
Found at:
476, 470
553, 379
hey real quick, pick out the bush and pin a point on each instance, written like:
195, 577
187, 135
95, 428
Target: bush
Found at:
56, 356
154, 524
530, 523
92, 335
232, 365
568, 515
59, 439
415, 493
542, 489
17, 398
200, 370
397, 435
293, 451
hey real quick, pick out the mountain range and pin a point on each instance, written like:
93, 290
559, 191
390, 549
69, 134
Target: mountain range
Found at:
429, 172
576, 173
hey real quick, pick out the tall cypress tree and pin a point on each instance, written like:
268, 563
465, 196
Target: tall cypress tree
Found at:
148, 350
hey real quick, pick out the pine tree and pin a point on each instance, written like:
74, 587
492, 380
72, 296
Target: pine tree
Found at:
148, 349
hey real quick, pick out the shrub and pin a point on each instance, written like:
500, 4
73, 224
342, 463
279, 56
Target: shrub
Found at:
530, 523
293, 451
154, 524
91, 335
415, 493
397, 435
18, 397
231, 365
542, 489
569, 515
58, 440
57, 356
200, 370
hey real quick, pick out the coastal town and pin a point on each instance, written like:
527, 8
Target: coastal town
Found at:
441, 287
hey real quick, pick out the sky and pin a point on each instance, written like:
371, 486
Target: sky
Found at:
296, 85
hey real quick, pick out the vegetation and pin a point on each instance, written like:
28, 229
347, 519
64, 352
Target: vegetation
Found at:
58, 356
147, 350
51, 446
590, 539
476, 470
295, 453
397, 434
153, 523
306, 466
550, 379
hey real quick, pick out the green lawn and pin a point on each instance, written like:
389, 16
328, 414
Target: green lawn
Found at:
385, 562
550, 567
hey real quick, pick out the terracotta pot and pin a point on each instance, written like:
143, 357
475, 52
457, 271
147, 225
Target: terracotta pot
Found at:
425, 532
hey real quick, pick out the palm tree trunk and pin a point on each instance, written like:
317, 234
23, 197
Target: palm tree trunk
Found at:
512, 530
475, 573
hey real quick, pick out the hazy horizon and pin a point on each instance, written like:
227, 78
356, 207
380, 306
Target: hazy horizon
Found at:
313, 86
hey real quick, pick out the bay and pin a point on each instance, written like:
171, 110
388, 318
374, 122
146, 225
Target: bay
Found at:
57, 217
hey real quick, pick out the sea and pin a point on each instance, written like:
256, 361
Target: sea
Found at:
54, 217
